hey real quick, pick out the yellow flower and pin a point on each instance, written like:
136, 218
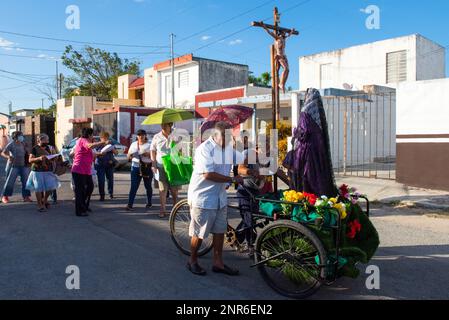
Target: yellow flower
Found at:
334, 200
341, 209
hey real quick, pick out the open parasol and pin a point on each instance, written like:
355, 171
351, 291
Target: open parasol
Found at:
168, 116
234, 115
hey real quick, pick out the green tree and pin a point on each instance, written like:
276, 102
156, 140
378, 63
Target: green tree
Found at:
264, 80
95, 72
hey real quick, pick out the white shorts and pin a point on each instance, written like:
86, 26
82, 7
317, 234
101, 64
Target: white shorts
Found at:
205, 221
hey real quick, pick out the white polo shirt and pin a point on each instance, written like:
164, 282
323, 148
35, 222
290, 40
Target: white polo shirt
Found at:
210, 157
161, 145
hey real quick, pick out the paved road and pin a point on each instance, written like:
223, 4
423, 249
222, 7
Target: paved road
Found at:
130, 256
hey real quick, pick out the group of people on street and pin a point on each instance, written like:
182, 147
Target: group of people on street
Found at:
207, 192
35, 169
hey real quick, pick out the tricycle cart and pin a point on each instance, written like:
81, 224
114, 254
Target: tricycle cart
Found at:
292, 257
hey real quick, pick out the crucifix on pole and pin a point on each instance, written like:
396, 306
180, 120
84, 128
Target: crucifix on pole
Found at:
278, 60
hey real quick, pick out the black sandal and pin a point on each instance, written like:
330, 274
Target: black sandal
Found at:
196, 269
226, 270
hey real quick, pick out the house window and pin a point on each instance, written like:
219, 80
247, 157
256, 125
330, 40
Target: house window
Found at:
397, 66
325, 75
183, 79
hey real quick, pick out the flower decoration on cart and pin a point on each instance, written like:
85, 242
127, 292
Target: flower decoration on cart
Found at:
359, 238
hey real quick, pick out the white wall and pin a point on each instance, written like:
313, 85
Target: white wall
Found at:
423, 107
184, 97
79, 108
151, 88
123, 85
431, 61
366, 64
64, 129
83, 106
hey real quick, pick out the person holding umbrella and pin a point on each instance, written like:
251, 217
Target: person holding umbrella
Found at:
161, 146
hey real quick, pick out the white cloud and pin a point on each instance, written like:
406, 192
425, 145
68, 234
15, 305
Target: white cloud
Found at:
205, 38
235, 42
6, 44
20, 49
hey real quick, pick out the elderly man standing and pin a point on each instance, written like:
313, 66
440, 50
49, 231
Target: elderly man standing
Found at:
208, 199
161, 146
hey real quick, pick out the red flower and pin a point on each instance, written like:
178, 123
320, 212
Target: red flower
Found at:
311, 198
354, 228
344, 190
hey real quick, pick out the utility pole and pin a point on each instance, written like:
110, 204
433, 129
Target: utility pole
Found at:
10, 108
57, 82
172, 54
61, 77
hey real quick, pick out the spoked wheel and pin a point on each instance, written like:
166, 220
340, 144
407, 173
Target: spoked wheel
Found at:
291, 259
179, 228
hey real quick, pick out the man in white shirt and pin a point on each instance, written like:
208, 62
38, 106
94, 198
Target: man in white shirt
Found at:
161, 146
208, 199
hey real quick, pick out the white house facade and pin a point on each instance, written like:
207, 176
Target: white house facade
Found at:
387, 63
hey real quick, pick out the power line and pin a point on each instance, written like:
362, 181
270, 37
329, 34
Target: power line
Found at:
218, 24
23, 85
30, 57
62, 51
249, 27
224, 22
26, 74
79, 42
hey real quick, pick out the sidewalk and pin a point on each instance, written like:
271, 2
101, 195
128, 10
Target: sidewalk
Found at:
390, 191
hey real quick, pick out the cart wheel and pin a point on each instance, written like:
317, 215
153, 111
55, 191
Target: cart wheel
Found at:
299, 266
179, 229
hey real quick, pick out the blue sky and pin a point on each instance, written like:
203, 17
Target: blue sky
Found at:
213, 29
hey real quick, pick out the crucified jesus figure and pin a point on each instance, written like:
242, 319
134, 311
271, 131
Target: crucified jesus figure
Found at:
280, 56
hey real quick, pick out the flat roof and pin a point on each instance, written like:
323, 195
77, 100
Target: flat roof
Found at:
374, 42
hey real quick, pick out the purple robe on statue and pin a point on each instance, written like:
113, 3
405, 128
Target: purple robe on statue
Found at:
311, 161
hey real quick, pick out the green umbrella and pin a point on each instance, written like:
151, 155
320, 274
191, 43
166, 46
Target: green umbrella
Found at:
167, 116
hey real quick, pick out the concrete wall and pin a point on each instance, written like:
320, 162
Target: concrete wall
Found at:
423, 134
123, 85
151, 88
78, 108
184, 96
64, 129
366, 64
431, 60
218, 75
83, 106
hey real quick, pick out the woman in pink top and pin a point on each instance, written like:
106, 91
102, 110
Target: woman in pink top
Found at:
82, 171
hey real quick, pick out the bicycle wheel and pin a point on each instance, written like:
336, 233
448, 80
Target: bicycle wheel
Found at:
291, 259
179, 229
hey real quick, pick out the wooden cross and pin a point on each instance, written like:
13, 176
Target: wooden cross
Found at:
278, 59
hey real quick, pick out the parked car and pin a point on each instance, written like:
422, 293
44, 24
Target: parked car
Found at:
120, 156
